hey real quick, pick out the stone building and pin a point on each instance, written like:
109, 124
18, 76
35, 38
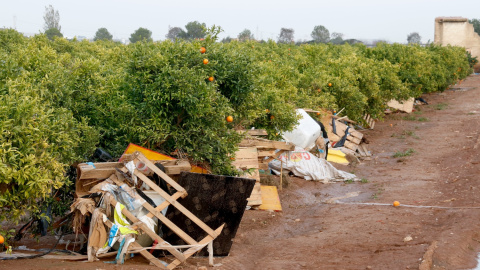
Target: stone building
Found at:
457, 31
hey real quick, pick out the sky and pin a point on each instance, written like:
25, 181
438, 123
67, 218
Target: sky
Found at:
360, 19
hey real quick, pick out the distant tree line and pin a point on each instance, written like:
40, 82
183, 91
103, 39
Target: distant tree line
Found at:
196, 30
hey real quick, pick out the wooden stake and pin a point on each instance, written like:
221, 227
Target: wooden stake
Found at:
281, 174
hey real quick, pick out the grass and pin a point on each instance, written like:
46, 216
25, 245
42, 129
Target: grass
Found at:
379, 191
409, 118
413, 118
405, 133
407, 153
422, 119
364, 180
441, 106
348, 181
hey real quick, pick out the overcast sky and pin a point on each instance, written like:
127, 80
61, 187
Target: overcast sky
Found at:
367, 19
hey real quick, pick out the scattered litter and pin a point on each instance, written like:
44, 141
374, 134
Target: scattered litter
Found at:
408, 238
404, 106
304, 164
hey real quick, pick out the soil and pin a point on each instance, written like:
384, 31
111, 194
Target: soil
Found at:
439, 179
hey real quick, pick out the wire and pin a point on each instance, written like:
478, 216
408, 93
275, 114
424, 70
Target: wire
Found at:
36, 255
414, 206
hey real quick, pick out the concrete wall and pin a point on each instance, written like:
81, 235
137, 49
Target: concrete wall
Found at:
457, 31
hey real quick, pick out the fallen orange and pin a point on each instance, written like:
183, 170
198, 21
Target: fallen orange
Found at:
396, 203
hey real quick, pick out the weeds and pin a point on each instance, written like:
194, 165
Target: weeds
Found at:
441, 106
409, 118
348, 181
407, 153
423, 119
364, 180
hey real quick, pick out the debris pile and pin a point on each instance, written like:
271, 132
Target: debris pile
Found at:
131, 204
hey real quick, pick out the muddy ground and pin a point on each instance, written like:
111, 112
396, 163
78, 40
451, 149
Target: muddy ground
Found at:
441, 174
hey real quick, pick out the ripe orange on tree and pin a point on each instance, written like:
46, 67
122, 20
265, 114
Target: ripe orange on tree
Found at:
272, 117
329, 84
205, 61
203, 50
2, 240
229, 118
210, 78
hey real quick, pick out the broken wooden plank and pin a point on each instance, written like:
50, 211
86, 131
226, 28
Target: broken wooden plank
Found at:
364, 148
174, 203
354, 139
189, 252
256, 197
341, 127
159, 172
150, 233
97, 170
254, 132
267, 144
351, 146
263, 166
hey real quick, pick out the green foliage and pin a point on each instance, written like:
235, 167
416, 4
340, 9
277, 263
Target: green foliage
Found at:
195, 30
476, 25
414, 38
286, 35
102, 34
51, 18
174, 33
141, 34
245, 35
407, 153
321, 34
52, 33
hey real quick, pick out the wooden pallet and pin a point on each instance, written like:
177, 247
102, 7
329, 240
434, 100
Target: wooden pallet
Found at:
362, 151
369, 121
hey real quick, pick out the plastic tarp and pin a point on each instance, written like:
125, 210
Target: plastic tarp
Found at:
304, 164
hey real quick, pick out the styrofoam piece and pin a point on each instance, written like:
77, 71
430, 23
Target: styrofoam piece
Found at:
305, 133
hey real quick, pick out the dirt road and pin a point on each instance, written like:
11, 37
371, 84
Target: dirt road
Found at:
440, 169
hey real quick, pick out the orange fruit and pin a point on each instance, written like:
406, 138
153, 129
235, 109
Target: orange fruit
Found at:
272, 117
229, 118
267, 110
210, 78
319, 90
396, 203
205, 61
318, 113
2, 240
329, 84
203, 50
